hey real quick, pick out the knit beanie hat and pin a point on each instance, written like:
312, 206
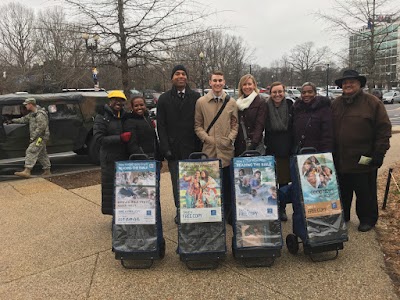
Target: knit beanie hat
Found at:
179, 67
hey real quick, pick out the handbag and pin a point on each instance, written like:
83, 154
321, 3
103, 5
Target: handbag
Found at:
260, 148
297, 148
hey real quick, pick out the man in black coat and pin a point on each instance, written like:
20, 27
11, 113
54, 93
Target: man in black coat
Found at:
175, 124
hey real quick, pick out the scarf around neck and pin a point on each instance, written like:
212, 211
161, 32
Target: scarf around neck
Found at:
351, 98
278, 116
244, 103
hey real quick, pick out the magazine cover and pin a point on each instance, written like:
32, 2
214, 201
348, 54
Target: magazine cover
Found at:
135, 192
200, 191
319, 184
255, 188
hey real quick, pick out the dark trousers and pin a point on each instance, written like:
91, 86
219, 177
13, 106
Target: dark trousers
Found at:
365, 187
173, 170
227, 192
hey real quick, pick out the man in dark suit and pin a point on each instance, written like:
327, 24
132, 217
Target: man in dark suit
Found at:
175, 124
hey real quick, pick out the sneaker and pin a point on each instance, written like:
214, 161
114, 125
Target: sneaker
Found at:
365, 227
283, 216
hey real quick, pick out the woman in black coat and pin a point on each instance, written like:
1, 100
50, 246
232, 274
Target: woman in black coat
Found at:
109, 135
144, 138
312, 120
278, 135
251, 116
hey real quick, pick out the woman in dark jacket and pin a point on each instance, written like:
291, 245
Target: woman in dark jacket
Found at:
251, 116
109, 135
278, 135
144, 138
312, 120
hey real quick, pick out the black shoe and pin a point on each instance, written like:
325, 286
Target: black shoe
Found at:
365, 227
283, 216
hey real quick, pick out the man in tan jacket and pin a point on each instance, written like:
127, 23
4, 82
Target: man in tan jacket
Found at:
219, 140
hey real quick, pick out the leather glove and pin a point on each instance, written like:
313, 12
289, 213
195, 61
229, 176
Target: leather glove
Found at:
168, 155
377, 159
125, 136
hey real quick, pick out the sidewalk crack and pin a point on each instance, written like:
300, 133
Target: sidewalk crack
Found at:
92, 277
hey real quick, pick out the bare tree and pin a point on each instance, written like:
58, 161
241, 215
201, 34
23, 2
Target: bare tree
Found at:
367, 23
138, 30
305, 58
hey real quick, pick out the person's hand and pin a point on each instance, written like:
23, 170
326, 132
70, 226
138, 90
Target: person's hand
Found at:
377, 159
125, 136
168, 155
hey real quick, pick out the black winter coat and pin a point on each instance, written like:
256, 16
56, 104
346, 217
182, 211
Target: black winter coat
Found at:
107, 128
175, 123
317, 117
144, 138
254, 121
279, 143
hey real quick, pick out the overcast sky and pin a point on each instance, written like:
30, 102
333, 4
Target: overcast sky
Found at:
271, 27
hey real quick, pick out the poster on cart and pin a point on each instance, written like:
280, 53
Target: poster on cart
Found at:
319, 184
200, 191
255, 188
135, 192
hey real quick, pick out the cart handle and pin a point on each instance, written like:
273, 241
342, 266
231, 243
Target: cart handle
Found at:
138, 156
307, 150
200, 155
248, 153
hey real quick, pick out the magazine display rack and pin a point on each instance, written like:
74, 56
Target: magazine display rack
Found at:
317, 212
257, 236
201, 224
137, 237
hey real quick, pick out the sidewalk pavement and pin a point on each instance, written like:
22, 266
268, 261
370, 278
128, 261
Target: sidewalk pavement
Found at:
55, 244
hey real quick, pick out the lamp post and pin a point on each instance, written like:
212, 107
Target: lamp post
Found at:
91, 44
327, 80
201, 55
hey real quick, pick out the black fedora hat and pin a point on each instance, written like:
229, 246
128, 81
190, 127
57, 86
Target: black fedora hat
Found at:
351, 74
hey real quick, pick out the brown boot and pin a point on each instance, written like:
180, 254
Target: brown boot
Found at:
26, 173
46, 172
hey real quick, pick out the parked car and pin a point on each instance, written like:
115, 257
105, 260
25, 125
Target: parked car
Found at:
391, 97
71, 117
331, 96
377, 93
151, 98
293, 93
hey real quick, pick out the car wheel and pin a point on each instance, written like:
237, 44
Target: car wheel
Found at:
391, 102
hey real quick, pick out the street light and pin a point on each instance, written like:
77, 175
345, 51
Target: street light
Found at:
327, 80
201, 55
91, 44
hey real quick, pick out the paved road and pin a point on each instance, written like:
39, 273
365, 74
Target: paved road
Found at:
394, 113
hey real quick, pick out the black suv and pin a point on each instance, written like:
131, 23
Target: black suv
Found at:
151, 98
71, 117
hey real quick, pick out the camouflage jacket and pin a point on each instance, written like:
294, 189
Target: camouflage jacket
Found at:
38, 124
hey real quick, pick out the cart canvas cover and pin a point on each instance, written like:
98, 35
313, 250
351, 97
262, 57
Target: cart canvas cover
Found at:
136, 195
320, 198
256, 203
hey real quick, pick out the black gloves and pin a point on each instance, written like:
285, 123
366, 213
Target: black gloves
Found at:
377, 159
168, 155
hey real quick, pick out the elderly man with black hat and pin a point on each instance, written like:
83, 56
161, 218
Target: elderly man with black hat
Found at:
362, 132
39, 134
175, 123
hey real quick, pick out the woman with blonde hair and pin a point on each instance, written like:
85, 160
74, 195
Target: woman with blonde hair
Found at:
251, 116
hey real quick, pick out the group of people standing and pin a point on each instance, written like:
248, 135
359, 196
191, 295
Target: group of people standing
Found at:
353, 125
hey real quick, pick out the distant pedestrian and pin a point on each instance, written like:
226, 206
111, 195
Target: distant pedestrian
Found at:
362, 129
39, 134
219, 139
108, 133
278, 136
252, 109
175, 124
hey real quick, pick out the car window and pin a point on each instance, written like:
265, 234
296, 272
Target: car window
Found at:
63, 111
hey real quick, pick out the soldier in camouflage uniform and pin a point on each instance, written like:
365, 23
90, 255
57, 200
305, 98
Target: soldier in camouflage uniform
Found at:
39, 135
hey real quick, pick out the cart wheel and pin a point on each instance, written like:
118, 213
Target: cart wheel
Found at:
292, 244
161, 253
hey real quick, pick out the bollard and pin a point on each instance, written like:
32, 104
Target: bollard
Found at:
387, 188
